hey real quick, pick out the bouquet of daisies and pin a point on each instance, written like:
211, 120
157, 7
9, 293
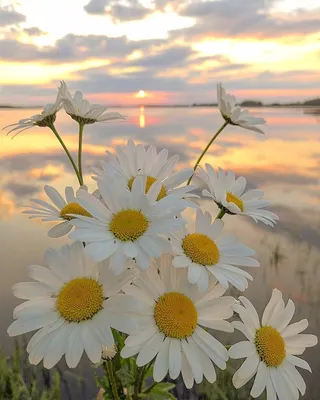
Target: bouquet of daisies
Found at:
140, 293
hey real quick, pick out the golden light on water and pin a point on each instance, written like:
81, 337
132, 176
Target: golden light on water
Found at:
142, 118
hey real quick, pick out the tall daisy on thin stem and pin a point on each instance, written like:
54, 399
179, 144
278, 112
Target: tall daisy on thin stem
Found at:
47, 119
271, 349
233, 115
84, 113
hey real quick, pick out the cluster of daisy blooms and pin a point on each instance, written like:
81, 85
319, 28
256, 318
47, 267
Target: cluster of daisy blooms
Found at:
135, 270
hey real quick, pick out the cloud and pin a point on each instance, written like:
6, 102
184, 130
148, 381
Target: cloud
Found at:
245, 18
171, 57
261, 177
96, 6
98, 80
10, 17
21, 189
129, 13
34, 31
133, 10
72, 47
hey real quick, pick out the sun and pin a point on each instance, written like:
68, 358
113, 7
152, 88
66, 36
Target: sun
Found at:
141, 94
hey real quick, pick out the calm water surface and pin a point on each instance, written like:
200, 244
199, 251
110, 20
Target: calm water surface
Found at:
286, 166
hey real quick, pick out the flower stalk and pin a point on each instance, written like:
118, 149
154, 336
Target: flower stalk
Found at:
52, 127
81, 125
221, 214
207, 148
109, 369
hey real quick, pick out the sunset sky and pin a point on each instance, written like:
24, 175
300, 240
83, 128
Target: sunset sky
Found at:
175, 51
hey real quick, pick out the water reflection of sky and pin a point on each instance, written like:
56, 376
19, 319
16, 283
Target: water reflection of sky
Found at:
286, 166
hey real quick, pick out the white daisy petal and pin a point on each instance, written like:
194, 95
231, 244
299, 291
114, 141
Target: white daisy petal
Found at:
295, 377
75, 347
57, 347
128, 352
298, 362
174, 358
194, 272
91, 344
276, 296
24, 325
100, 251
186, 372
249, 333
150, 349
271, 393
143, 337
249, 367
294, 329
31, 290
55, 197
181, 261
242, 349
161, 364
193, 361
302, 340
260, 381
286, 317
60, 230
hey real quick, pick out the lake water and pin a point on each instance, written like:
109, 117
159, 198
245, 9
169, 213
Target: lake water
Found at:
286, 166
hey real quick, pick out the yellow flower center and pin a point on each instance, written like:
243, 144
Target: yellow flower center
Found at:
129, 225
73, 208
201, 249
80, 299
270, 346
231, 198
150, 181
176, 315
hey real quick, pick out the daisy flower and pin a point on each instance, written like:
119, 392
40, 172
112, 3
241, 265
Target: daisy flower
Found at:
233, 113
271, 349
73, 306
134, 160
229, 194
172, 317
46, 118
127, 224
59, 211
82, 111
203, 253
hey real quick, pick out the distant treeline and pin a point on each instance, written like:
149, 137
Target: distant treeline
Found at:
255, 103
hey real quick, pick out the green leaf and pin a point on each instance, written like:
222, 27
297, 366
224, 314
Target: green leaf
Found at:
160, 392
125, 375
164, 386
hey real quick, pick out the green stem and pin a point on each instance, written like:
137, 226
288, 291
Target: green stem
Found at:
148, 389
80, 150
112, 380
207, 147
221, 214
138, 383
52, 127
